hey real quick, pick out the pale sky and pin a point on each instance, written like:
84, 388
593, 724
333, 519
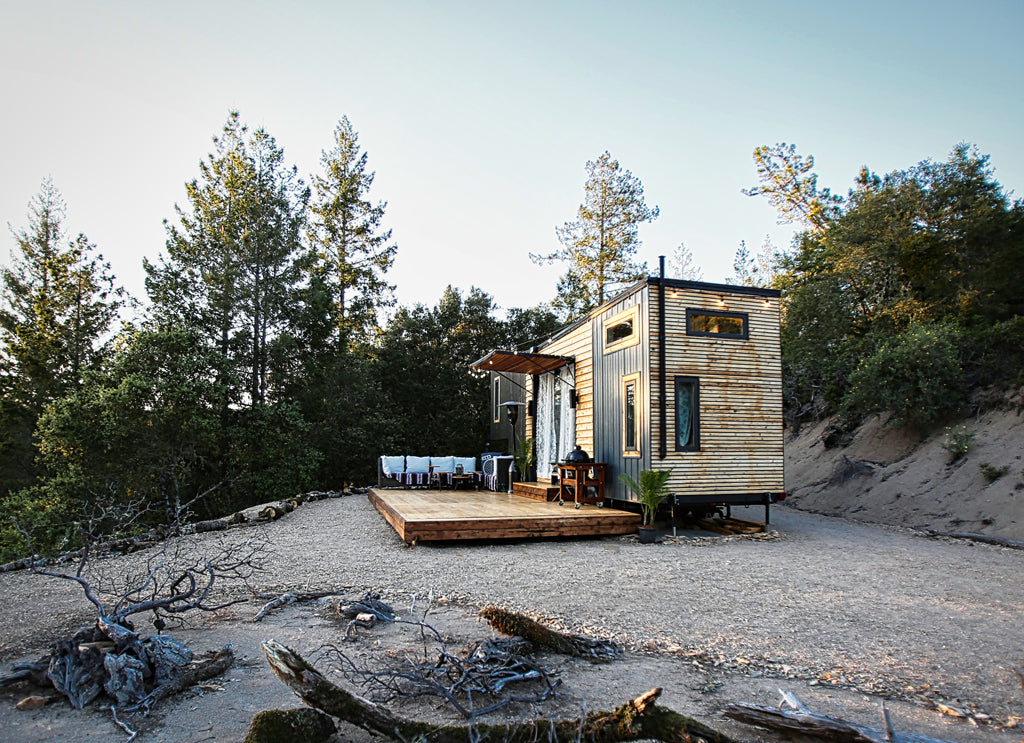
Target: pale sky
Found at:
479, 117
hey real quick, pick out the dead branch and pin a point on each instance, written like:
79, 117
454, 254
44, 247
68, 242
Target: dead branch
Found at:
637, 719
290, 598
370, 603
132, 734
800, 720
519, 625
34, 673
215, 665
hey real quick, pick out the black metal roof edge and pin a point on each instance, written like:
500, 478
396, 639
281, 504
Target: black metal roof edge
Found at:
756, 291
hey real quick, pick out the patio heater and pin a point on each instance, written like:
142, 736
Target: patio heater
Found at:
512, 408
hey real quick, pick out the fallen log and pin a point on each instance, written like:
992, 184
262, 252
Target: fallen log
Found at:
519, 625
638, 719
974, 537
800, 720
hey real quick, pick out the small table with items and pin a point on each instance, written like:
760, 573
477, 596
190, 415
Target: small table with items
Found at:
577, 479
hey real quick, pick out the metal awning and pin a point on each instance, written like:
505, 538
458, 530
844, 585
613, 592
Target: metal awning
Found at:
518, 362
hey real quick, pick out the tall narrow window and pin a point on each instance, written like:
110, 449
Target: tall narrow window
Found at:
687, 414
496, 400
556, 416
631, 415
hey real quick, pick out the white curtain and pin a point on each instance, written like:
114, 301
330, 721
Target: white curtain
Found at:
552, 446
567, 439
543, 423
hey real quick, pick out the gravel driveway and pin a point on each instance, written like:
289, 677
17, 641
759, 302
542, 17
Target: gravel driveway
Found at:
878, 609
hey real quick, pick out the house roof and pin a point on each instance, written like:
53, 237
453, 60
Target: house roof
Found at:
520, 362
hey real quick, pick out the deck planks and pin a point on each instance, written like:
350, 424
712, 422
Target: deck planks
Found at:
452, 515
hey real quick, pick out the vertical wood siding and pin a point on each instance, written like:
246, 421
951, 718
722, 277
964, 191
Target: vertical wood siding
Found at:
609, 370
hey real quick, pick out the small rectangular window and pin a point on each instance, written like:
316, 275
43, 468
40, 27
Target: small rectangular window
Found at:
716, 324
687, 414
618, 332
631, 415
622, 330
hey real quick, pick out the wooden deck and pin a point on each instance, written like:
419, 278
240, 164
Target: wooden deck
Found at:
451, 515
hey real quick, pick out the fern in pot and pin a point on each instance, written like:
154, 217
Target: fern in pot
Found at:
652, 490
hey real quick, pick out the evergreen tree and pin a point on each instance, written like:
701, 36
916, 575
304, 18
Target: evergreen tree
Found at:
425, 355
681, 265
233, 263
352, 251
600, 245
790, 184
59, 302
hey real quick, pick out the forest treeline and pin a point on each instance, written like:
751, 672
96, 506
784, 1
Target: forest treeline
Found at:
903, 296
257, 369
269, 358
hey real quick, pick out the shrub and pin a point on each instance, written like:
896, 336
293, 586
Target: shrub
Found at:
991, 473
958, 441
916, 375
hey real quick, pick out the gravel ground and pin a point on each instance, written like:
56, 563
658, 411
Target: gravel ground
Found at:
821, 601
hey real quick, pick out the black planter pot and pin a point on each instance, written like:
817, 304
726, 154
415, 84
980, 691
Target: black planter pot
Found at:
647, 534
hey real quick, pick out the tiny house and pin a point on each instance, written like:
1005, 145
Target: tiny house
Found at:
669, 374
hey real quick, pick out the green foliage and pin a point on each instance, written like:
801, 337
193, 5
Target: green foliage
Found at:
351, 250
47, 515
917, 375
600, 244
233, 263
958, 442
59, 300
937, 246
524, 456
424, 359
270, 458
991, 473
652, 489
790, 184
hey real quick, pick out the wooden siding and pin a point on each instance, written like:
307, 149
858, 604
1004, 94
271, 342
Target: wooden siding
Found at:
741, 434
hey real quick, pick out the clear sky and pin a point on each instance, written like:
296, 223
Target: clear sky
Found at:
479, 117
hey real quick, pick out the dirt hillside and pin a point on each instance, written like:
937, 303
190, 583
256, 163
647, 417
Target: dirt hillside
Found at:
886, 475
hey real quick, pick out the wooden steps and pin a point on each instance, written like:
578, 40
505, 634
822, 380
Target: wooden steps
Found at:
544, 491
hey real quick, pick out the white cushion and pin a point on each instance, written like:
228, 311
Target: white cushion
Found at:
443, 464
468, 463
417, 464
392, 465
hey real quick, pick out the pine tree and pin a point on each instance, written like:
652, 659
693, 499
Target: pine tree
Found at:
682, 265
601, 243
233, 264
59, 302
352, 251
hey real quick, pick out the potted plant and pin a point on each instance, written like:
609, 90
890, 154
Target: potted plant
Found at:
524, 459
652, 489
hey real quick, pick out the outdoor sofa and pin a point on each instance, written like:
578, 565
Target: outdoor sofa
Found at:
407, 471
